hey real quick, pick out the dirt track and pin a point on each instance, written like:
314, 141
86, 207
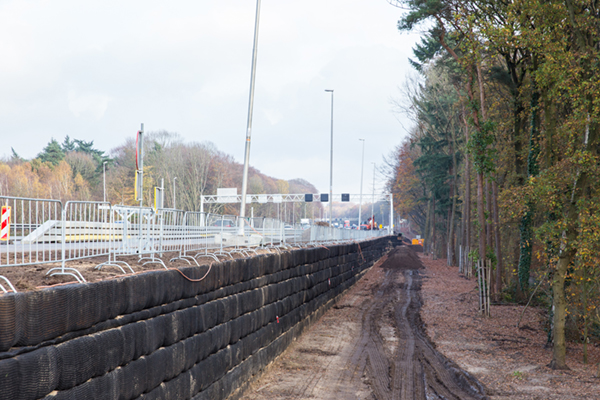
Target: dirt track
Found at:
371, 345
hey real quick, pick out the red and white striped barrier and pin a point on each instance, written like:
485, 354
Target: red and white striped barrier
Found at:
5, 230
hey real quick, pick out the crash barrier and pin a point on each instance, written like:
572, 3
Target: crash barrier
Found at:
327, 234
37, 231
270, 229
164, 335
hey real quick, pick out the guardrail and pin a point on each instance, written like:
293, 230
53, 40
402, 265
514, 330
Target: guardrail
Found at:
40, 231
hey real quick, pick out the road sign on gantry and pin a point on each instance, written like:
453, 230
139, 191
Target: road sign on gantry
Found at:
227, 195
159, 199
5, 229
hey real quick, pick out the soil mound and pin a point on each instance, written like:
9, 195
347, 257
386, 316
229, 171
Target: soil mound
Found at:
402, 258
416, 247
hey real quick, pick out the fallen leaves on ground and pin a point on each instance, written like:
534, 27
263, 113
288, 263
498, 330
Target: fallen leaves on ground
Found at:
510, 362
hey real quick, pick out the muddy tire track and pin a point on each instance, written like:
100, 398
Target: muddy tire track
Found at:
387, 354
418, 370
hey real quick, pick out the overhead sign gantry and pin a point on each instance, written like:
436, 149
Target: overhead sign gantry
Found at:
225, 196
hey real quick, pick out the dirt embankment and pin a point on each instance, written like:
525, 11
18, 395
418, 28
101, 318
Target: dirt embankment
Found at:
511, 362
34, 277
371, 345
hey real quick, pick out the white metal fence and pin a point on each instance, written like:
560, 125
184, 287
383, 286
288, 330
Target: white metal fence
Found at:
23, 243
39, 231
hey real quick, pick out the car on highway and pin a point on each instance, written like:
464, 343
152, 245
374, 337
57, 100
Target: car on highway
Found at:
225, 223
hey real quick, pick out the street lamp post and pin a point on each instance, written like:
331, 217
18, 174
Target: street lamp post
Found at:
249, 124
174, 194
362, 167
104, 180
331, 164
373, 200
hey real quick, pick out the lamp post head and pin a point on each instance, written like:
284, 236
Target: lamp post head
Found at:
329, 90
362, 139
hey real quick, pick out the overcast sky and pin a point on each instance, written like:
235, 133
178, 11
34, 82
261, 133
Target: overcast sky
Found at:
95, 70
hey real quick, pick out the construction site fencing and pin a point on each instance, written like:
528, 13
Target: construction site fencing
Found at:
41, 231
329, 234
271, 231
196, 236
137, 231
171, 224
86, 232
23, 220
31, 234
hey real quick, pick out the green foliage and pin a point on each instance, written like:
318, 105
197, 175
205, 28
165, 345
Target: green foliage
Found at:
480, 148
52, 153
525, 246
536, 62
474, 256
68, 145
425, 52
15, 157
420, 11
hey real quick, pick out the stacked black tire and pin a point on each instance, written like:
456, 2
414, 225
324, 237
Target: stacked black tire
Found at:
157, 335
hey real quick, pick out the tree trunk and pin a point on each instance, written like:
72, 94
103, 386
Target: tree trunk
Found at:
499, 264
425, 233
467, 199
488, 224
559, 304
481, 216
520, 170
488, 214
550, 128
584, 304
433, 238
565, 256
525, 228
451, 260
453, 191
480, 188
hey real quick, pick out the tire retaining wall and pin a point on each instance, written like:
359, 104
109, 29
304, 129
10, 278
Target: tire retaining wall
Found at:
156, 335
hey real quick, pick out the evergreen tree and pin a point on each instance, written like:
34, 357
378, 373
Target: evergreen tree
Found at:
87, 147
15, 156
52, 153
68, 145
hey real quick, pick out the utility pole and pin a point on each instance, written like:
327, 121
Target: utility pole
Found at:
249, 123
362, 165
174, 194
373, 200
331, 164
104, 179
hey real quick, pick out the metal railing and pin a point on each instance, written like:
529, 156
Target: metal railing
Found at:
25, 243
40, 231
86, 232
